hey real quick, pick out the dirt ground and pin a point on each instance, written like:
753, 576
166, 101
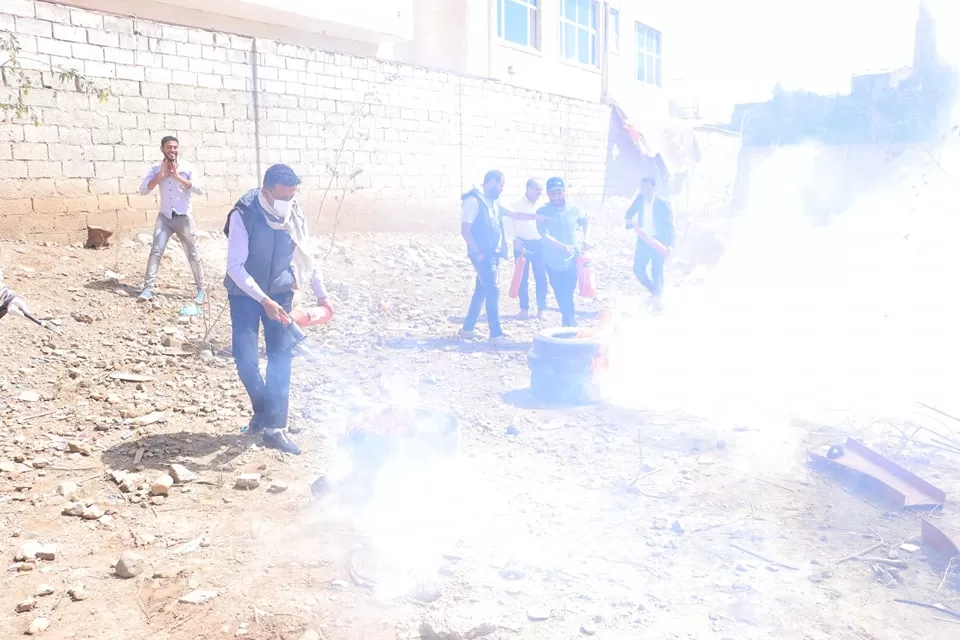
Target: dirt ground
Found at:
554, 523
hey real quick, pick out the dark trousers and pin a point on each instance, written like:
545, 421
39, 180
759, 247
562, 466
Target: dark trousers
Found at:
532, 252
646, 256
564, 285
270, 398
486, 293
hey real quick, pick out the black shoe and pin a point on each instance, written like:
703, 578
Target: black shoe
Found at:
255, 426
277, 439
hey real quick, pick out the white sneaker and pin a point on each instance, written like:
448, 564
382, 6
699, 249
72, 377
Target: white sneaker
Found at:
500, 340
467, 335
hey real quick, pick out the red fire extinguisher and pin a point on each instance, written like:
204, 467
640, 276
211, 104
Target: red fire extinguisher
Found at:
585, 276
518, 267
308, 317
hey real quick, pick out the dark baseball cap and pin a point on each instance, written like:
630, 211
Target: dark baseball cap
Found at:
555, 184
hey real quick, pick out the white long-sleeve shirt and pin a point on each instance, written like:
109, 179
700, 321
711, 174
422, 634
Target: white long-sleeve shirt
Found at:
238, 249
523, 229
173, 195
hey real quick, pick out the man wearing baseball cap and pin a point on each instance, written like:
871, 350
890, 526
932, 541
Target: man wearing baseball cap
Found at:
564, 231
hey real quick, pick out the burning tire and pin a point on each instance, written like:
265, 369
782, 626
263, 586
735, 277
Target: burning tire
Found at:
564, 363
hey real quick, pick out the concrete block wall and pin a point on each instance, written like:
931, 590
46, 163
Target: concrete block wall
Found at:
420, 139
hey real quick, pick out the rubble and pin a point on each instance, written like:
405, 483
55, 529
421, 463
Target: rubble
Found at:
181, 475
247, 481
130, 565
38, 626
161, 486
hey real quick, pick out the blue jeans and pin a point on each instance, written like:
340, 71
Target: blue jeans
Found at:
532, 252
486, 293
564, 283
644, 256
271, 397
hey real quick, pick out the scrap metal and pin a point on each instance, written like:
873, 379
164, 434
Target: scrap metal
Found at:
892, 482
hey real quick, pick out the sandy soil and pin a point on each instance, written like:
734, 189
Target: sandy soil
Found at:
555, 523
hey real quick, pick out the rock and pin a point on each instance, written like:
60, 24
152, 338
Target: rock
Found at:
75, 509
77, 593
512, 573
310, 634
44, 590
38, 626
131, 482
26, 605
588, 629
247, 481
68, 489
130, 565
28, 551
29, 396
92, 512
161, 486
277, 487
198, 596
48, 552
79, 447
538, 614
180, 474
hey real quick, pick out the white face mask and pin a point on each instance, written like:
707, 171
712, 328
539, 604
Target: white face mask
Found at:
282, 207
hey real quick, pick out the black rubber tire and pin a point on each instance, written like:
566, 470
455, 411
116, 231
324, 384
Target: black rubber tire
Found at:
560, 343
563, 388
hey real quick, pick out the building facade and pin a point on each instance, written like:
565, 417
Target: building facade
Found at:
588, 49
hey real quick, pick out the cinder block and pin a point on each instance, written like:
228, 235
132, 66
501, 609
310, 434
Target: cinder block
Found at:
82, 204
161, 76
30, 151
196, 36
23, 8
116, 24
13, 169
176, 34
33, 27
44, 169
100, 69
52, 12
113, 201
68, 33
177, 63
40, 133
49, 206
132, 73
81, 18
184, 78
106, 136
114, 169
133, 104
111, 185
153, 90
103, 38
160, 105
119, 56
209, 81
17, 207
101, 152
78, 169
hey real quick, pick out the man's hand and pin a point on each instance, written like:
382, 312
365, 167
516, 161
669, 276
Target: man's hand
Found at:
275, 311
164, 169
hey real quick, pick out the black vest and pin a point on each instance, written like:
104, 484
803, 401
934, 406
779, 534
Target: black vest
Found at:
487, 227
270, 258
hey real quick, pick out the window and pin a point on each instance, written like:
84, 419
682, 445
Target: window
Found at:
578, 31
648, 55
613, 31
517, 22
